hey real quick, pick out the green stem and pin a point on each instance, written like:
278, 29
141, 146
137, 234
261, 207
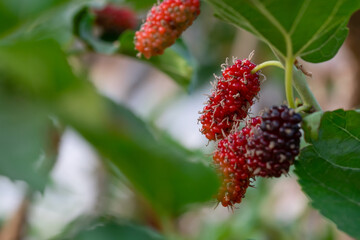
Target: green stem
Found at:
303, 108
299, 83
267, 64
288, 81
304, 91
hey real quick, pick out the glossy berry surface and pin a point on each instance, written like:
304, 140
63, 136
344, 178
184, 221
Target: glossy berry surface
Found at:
275, 143
164, 24
229, 159
114, 20
232, 96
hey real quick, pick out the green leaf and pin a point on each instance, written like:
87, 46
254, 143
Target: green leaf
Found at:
171, 62
162, 173
55, 23
111, 230
311, 29
24, 141
141, 4
310, 125
16, 12
83, 27
157, 168
329, 169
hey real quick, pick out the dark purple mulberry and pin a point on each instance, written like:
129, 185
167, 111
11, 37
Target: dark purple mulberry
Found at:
275, 144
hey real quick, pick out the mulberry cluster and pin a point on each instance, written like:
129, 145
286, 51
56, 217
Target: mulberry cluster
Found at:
265, 147
229, 159
164, 24
114, 20
275, 143
231, 98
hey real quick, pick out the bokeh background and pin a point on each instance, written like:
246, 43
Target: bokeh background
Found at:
81, 188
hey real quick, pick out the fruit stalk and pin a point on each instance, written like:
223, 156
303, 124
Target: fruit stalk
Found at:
288, 81
267, 64
304, 91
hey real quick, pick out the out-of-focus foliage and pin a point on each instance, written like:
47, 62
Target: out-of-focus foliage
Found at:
24, 145
141, 4
15, 12
110, 230
161, 173
173, 62
255, 220
38, 87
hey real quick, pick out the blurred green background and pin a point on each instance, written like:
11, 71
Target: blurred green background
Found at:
98, 144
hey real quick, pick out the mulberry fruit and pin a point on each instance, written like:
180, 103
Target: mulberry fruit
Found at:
275, 143
231, 98
164, 24
229, 159
114, 20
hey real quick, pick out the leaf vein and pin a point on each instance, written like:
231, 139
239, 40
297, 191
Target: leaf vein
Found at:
345, 130
270, 17
334, 164
276, 23
324, 43
299, 16
331, 189
228, 8
316, 35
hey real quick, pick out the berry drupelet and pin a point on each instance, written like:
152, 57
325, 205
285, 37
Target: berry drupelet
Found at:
164, 24
231, 98
229, 159
275, 143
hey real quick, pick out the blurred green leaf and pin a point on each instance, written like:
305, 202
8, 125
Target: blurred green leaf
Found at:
16, 12
161, 173
171, 62
329, 169
158, 169
111, 230
55, 23
141, 4
24, 140
83, 27
311, 29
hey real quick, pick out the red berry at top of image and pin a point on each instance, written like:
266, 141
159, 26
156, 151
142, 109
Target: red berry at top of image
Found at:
114, 20
232, 96
275, 143
230, 162
164, 24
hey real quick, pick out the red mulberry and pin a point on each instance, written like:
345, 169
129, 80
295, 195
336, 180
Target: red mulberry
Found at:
229, 159
164, 24
114, 20
231, 98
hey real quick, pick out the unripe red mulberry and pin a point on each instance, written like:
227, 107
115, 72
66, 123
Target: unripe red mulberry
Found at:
164, 24
231, 98
114, 20
275, 143
229, 159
